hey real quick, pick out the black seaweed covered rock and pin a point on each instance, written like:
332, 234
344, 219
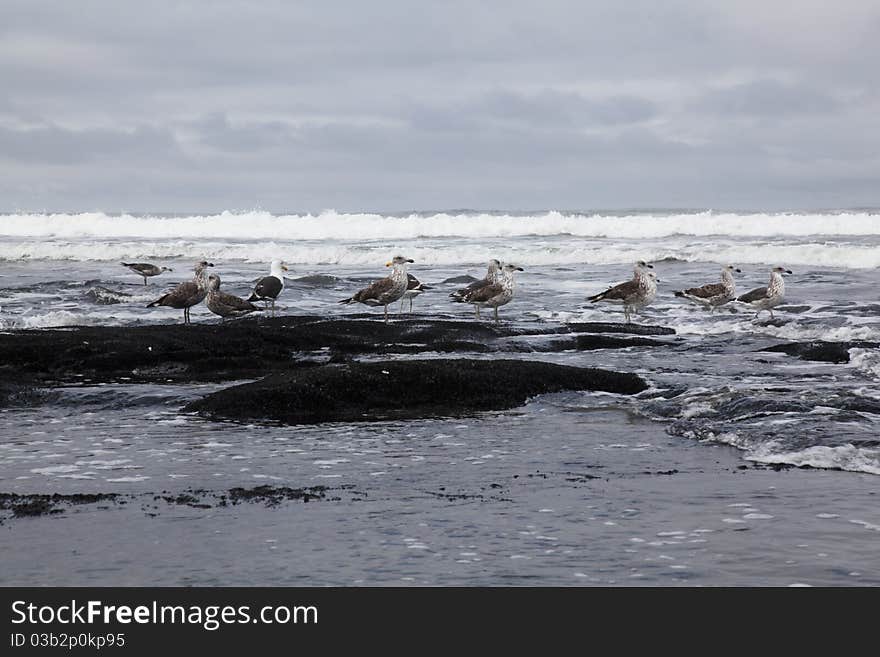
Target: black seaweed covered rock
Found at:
819, 350
252, 348
619, 327
403, 390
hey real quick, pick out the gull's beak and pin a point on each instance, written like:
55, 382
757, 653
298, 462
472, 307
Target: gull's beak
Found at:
520, 269
788, 271
210, 264
410, 260
649, 266
284, 268
388, 264
738, 271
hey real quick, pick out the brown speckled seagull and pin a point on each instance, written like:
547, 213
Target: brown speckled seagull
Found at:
386, 290
187, 294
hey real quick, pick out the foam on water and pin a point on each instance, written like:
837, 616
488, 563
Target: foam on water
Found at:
866, 360
359, 226
843, 457
539, 239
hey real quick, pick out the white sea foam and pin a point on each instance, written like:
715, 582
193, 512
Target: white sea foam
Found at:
866, 360
542, 239
533, 252
334, 225
843, 457
794, 330
52, 319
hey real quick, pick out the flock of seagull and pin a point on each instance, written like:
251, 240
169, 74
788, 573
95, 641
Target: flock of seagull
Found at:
494, 290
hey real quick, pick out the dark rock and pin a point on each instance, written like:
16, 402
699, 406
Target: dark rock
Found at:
459, 280
828, 352
586, 342
403, 390
274, 495
619, 327
793, 309
315, 280
35, 507
42, 504
105, 296
250, 348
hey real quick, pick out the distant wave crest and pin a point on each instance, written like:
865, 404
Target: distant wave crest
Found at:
349, 226
552, 238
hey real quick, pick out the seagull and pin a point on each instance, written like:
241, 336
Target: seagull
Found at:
713, 295
414, 288
767, 298
494, 294
187, 294
226, 305
387, 290
145, 269
493, 275
634, 294
269, 287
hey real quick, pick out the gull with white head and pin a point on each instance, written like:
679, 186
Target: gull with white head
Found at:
269, 287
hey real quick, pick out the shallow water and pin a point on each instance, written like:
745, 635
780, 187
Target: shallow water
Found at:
566, 490
553, 493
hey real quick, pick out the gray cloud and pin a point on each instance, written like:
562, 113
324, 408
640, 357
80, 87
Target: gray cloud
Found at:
299, 106
52, 144
769, 98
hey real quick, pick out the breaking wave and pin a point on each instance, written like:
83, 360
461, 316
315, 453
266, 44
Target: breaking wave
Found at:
545, 251
831, 240
358, 226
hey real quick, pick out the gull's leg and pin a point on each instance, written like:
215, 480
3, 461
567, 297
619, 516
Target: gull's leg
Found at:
477, 308
145, 280
400, 310
496, 314
386, 313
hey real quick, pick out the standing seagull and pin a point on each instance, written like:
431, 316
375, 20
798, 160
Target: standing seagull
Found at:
269, 287
767, 298
634, 294
413, 289
387, 290
713, 295
187, 294
145, 269
494, 294
493, 275
224, 304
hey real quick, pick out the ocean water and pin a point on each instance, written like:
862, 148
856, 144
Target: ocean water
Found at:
712, 388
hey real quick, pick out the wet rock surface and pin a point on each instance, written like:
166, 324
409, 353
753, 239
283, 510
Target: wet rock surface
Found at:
250, 348
13, 505
23, 506
405, 389
828, 352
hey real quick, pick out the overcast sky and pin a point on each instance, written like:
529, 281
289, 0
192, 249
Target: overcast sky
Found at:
398, 105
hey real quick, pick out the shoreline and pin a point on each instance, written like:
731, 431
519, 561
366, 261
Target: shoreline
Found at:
559, 491
654, 510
